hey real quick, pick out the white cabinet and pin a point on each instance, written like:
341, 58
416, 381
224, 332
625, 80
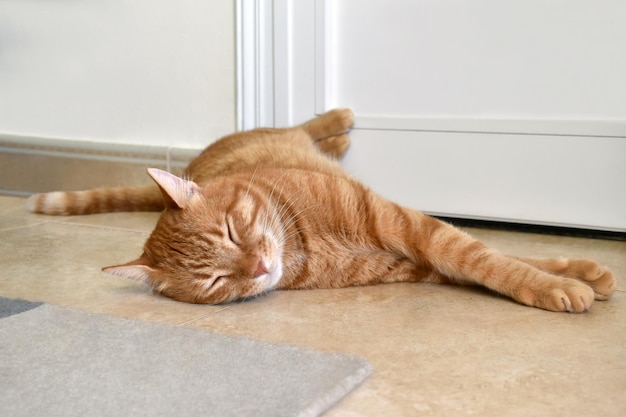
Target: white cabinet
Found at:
488, 109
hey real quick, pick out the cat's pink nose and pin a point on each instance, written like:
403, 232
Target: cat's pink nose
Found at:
260, 269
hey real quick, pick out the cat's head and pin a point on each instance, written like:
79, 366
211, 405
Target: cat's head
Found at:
211, 245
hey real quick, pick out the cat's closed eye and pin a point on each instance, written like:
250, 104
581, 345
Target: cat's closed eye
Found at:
175, 249
232, 234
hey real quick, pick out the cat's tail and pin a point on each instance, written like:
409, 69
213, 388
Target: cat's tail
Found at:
97, 200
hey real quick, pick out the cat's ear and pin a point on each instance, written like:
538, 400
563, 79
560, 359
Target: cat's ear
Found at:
137, 270
176, 191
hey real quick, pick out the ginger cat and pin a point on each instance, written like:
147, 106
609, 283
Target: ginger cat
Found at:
273, 209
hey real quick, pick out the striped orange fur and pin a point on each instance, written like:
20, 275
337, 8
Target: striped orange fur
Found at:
273, 209
97, 200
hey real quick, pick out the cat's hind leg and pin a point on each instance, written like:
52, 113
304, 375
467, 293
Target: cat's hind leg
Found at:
334, 146
332, 123
599, 278
329, 131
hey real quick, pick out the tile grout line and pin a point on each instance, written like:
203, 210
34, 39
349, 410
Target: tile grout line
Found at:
92, 226
7, 229
202, 316
53, 220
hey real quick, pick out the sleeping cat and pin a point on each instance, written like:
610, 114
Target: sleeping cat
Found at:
273, 209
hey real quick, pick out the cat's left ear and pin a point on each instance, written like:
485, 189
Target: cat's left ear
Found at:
137, 270
176, 191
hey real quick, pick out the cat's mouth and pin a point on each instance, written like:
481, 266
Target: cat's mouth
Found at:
270, 280
272, 277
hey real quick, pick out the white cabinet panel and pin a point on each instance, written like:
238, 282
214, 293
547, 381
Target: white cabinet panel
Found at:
497, 177
510, 110
527, 59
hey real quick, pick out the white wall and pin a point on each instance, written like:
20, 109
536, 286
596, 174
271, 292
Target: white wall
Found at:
152, 72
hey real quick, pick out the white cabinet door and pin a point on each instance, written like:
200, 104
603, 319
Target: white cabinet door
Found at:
506, 110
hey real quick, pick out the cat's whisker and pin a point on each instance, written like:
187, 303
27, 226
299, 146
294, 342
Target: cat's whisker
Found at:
285, 238
295, 230
286, 223
251, 181
277, 219
298, 215
270, 200
284, 207
287, 204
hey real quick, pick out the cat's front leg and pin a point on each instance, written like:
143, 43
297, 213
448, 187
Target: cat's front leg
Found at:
519, 280
465, 260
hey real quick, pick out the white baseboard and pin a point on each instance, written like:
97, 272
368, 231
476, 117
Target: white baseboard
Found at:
34, 164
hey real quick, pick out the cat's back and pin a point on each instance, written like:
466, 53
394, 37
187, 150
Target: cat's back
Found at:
241, 152
311, 147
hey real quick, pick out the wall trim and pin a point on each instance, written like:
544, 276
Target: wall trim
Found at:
103, 151
31, 164
255, 63
595, 128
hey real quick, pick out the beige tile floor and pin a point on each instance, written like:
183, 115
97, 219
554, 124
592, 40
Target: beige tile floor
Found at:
436, 350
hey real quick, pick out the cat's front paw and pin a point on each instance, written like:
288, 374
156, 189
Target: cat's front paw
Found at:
570, 296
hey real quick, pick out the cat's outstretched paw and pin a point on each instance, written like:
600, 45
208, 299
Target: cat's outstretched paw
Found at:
598, 277
589, 272
573, 297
